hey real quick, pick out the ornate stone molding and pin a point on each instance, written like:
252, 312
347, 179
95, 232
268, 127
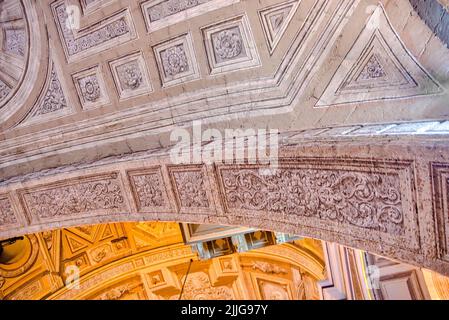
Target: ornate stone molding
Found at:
355, 195
230, 45
159, 14
89, 196
77, 44
176, 60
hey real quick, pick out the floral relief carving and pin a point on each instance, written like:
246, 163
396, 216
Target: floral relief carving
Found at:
7, 216
366, 200
77, 43
228, 43
90, 88
54, 98
167, 8
191, 189
16, 41
174, 60
130, 75
148, 188
75, 199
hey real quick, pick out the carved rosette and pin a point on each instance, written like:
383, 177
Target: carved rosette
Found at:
372, 70
366, 200
174, 60
130, 75
90, 88
228, 44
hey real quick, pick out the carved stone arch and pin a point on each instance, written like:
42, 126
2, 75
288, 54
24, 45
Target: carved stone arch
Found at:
19, 102
354, 194
291, 254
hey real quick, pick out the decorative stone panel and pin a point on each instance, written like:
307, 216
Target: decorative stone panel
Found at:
230, 45
176, 60
81, 43
85, 197
191, 188
7, 216
131, 75
91, 87
159, 14
149, 190
327, 195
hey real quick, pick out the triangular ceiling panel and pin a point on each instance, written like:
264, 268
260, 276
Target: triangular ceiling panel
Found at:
275, 20
378, 67
106, 233
52, 103
74, 242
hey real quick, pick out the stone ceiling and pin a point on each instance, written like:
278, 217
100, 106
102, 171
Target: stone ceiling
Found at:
126, 73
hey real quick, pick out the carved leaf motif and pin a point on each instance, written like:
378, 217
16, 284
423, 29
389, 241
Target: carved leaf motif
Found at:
191, 190
54, 98
75, 199
366, 200
148, 188
6, 213
76, 45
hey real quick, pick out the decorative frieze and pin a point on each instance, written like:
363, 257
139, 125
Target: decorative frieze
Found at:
162, 13
101, 36
367, 200
230, 45
89, 196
